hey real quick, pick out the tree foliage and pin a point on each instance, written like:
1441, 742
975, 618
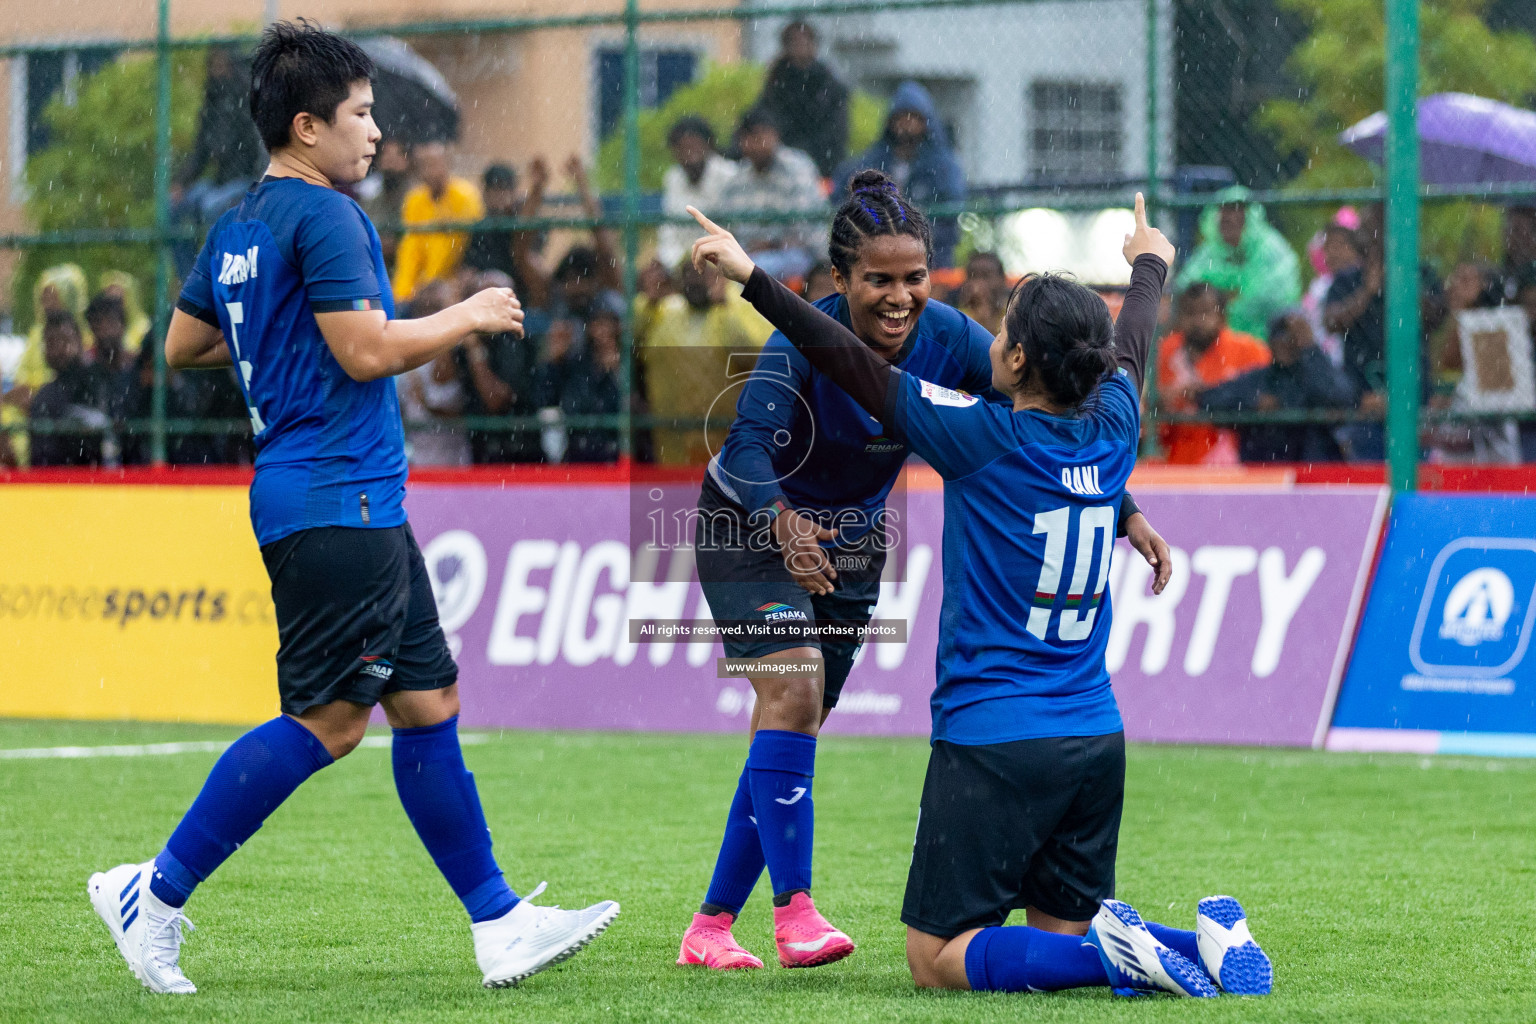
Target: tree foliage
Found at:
98, 170
1341, 69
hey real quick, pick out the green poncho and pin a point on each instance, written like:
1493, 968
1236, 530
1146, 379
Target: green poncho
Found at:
1262, 274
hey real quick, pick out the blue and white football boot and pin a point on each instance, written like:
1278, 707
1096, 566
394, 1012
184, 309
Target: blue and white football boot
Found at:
1227, 949
1136, 962
147, 932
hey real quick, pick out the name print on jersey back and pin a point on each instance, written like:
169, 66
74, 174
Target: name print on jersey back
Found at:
238, 268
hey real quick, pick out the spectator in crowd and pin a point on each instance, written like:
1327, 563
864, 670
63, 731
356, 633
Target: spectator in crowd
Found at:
123, 286
915, 151
1202, 352
1356, 308
382, 194
696, 178
501, 249
686, 356
227, 155
984, 295
77, 394
1519, 247
1300, 377
1334, 249
806, 99
771, 176
1245, 257
426, 256
571, 382
1469, 286
433, 392
818, 283
58, 289
496, 373
587, 277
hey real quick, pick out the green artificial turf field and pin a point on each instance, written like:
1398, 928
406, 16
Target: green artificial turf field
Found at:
1384, 888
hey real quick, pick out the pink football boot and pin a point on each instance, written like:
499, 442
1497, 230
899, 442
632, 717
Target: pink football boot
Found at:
709, 941
805, 938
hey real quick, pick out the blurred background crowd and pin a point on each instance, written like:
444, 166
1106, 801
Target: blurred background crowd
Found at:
1274, 335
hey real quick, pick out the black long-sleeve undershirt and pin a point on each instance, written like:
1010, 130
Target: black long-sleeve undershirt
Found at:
869, 380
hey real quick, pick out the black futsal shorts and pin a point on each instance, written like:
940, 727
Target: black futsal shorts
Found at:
1033, 823
356, 619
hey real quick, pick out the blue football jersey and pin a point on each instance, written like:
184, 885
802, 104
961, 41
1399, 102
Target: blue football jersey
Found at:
800, 436
330, 451
1030, 507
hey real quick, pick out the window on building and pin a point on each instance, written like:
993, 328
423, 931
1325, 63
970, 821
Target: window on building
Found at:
662, 72
1077, 131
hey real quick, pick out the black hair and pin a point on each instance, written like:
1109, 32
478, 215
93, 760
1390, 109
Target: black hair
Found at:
579, 262
104, 305
986, 254
499, 176
757, 117
299, 68
1068, 338
691, 124
796, 27
874, 207
1201, 290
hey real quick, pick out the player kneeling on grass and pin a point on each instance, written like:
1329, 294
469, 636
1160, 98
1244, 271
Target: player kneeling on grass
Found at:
291, 287
1021, 807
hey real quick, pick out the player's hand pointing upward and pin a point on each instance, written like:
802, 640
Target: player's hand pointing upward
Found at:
720, 247
1146, 239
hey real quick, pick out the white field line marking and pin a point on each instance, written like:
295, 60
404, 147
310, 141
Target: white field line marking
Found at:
156, 749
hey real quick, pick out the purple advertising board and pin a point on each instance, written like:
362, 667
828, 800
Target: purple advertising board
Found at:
537, 585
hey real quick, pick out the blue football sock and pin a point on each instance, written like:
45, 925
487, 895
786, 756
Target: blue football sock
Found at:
1030, 960
258, 771
439, 797
1176, 939
741, 853
781, 765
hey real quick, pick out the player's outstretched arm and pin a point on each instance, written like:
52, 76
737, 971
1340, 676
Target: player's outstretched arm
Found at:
192, 344
369, 346
828, 345
1150, 255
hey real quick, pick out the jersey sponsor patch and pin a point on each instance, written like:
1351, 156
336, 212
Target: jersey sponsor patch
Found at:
947, 396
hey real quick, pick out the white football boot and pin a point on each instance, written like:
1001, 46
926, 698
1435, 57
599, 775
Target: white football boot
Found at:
147, 932
527, 939
1136, 962
1228, 951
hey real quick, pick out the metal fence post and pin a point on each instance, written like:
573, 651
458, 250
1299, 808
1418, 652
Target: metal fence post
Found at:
162, 245
1402, 244
631, 214
1151, 445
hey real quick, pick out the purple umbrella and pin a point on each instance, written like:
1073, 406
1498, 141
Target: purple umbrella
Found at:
1463, 140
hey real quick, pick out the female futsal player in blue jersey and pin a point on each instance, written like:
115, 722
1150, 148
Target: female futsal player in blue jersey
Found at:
1021, 807
802, 462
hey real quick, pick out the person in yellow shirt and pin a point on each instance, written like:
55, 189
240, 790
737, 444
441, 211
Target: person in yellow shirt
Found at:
442, 196
687, 355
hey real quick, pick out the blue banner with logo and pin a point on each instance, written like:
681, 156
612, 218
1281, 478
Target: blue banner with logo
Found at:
1444, 659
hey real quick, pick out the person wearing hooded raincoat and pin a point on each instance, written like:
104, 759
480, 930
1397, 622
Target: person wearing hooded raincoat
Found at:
1260, 272
920, 160
59, 288
123, 285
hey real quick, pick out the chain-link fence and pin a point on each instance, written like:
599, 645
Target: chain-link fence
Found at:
556, 150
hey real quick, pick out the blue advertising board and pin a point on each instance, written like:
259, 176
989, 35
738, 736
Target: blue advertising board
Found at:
1443, 662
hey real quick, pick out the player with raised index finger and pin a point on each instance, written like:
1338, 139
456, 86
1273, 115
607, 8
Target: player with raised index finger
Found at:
1022, 803
291, 288
799, 485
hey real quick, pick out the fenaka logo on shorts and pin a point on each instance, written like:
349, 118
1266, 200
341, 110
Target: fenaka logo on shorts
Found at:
373, 665
947, 396
881, 444
776, 611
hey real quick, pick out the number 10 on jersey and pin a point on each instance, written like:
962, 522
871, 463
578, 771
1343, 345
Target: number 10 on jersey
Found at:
1073, 623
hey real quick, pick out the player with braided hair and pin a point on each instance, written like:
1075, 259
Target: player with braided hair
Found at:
792, 532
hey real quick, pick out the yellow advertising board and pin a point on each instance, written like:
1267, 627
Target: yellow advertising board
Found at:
143, 602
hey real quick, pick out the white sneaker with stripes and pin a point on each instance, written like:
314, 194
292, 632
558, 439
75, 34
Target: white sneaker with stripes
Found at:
147, 932
527, 939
